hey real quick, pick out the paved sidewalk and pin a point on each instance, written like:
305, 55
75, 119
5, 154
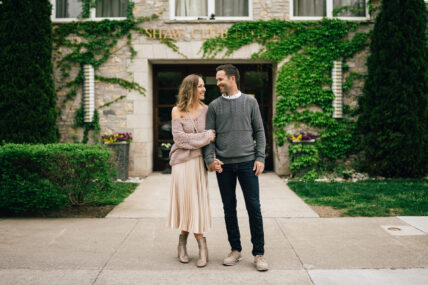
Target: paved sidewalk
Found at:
151, 199
133, 246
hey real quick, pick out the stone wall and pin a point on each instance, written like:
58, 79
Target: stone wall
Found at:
134, 114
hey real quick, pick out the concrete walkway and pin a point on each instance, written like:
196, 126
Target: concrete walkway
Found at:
133, 246
151, 199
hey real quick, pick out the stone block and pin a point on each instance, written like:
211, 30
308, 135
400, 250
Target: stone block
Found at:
143, 135
137, 65
160, 51
142, 77
139, 121
143, 108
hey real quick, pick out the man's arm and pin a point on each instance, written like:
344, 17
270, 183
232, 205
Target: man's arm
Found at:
209, 150
258, 132
259, 136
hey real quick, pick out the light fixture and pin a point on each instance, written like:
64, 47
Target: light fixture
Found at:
336, 75
88, 93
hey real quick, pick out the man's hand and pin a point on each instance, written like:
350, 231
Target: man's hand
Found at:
258, 167
216, 166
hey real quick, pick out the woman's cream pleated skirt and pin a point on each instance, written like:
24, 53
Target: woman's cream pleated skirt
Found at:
189, 204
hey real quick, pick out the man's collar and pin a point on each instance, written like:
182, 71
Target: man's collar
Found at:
234, 96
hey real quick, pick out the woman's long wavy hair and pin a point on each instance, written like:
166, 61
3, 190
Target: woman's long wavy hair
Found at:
188, 92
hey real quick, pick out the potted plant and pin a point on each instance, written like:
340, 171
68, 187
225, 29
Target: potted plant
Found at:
119, 144
302, 152
303, 138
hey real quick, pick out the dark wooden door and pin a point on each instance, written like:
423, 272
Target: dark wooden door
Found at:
255, 80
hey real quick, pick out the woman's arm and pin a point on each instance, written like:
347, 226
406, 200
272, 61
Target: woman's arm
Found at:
188, 140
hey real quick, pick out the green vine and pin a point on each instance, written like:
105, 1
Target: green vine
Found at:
93, 42
302, 81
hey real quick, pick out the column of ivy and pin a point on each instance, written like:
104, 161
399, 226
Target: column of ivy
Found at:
394, 114
304, 80
27, 94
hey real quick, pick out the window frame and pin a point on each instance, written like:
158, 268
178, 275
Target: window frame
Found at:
329, 8
92, 16
211, 10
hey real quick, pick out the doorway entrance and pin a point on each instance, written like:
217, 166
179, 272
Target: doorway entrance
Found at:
256, 80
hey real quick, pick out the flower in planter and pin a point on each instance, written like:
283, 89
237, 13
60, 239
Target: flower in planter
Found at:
119, 137
165, 146
302, 137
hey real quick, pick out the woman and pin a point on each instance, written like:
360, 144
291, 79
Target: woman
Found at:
189, 208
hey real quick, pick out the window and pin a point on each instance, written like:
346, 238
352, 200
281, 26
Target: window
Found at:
210, 9
316, 9
67, 9
71, 10
111, 8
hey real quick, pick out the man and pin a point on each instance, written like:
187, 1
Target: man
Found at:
237, 121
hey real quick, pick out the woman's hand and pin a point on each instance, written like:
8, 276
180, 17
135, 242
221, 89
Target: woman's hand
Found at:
212, 135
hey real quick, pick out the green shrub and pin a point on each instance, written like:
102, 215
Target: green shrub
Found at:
302, 156
394, 113
27, 92
35, 178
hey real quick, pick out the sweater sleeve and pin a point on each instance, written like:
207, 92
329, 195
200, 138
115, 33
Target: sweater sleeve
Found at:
189, 140
258, 132
209, 150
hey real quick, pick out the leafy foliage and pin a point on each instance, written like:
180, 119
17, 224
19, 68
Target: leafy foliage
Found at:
405, 197
93, 42
36, 178
302, 80
27, 92
394, 112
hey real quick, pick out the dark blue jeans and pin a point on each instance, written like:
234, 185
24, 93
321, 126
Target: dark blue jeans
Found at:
250, 188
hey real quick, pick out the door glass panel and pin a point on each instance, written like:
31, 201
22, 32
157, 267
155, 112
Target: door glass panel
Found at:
169, 79
167, 96
257, 83
164, 114
165, 131
212, 90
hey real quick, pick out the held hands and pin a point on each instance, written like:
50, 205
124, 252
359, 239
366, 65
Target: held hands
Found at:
258, 167
216, 166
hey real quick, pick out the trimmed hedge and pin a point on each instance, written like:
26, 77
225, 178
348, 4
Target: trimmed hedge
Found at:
27, 92
37, 178
394, 107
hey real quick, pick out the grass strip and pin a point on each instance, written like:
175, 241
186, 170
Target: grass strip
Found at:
120, 191
381, 198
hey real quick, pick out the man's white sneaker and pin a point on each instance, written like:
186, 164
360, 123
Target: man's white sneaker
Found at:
232, 258
260, 262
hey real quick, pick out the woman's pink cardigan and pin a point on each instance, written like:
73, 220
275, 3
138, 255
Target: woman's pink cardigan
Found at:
188, 143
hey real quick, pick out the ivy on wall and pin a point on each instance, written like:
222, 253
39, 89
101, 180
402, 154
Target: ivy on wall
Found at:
93, 42
304, 80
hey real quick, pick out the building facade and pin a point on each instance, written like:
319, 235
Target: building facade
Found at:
160, 69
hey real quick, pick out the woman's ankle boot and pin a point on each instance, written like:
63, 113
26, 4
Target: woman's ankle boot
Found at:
203, 252
182, 250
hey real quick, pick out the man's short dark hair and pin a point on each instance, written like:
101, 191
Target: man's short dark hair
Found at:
230, 70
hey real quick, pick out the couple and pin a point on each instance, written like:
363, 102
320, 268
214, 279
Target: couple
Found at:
224, 134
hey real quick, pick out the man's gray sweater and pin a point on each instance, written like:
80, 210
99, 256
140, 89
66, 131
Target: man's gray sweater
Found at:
238, 124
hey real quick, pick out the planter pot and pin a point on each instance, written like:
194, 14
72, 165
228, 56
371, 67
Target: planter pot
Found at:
121, 158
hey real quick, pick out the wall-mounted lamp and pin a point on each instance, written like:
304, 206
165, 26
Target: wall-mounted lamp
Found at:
88, 93
336, 75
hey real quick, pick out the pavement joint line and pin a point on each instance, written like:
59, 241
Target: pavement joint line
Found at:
116, 251
294, 250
